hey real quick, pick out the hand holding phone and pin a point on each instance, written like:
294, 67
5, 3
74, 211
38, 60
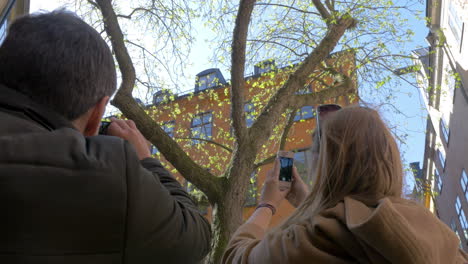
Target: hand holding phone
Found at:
286, 159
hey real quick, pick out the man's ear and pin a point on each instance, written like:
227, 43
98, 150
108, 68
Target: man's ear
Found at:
94, 120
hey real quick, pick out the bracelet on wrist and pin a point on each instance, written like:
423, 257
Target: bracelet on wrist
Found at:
267, 205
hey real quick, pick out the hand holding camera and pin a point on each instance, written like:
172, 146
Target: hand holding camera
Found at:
126, 129
283, 181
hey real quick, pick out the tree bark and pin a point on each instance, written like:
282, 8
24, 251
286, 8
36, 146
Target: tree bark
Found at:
123, 100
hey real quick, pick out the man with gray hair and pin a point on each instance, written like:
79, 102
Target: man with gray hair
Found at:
68, 195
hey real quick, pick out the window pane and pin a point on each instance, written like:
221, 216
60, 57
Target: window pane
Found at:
202, 127
3, 31
307, 112
207, 118
169, 128
154, 150
302, 163
464, 183
196, 131
196, 121
441, 158
207, 81
445, 129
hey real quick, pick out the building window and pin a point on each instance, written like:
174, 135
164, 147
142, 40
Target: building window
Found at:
462, 217
202, 125
162, 96
445, 129
154, 150
3, 31
251, 195
438, 182
441, 158
464, 183
264, 66
209, 78
207, 81
453, 226
168, 127
249, 109
302, 161
455, 23
306, 112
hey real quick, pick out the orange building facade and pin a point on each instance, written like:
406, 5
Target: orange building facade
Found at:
201, 124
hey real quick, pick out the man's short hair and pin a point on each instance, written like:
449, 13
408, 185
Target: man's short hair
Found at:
59, 61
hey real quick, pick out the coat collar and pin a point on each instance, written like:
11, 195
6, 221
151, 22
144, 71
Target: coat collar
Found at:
17, 102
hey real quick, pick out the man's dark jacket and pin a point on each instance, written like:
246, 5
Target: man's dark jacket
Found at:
66, 198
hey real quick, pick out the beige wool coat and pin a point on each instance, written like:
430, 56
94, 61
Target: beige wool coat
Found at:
394, 231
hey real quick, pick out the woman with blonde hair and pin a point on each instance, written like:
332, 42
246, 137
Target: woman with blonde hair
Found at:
354, 213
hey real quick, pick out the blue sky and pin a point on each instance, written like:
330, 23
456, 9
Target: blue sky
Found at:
408, 99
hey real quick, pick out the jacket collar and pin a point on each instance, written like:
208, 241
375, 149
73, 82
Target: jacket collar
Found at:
18, 102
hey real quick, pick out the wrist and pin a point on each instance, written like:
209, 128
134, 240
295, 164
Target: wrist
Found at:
267, 205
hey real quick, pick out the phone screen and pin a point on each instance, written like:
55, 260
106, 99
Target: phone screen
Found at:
286, 167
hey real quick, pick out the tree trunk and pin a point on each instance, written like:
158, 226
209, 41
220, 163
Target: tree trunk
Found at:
228, 211
227, 217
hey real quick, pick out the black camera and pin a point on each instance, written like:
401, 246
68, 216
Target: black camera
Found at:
104, 127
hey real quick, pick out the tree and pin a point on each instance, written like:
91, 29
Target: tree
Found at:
303, 33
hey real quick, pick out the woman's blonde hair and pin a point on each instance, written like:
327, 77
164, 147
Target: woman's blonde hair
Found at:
358, 158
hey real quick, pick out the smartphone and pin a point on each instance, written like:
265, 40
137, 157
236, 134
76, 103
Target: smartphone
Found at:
286, 159
103, 128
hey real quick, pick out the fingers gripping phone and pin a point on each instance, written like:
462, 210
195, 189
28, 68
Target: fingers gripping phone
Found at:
286, 159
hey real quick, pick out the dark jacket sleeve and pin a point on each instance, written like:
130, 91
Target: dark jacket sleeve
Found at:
163, 224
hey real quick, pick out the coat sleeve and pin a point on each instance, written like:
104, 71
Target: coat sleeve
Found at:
292, 245
163, 223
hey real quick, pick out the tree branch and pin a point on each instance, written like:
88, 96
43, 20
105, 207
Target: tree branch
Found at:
284, 136
263, 126
287, 6
322, 10
286, 129
265, 162
238, 67
129, 16
320, 96
228, 149
113, 30
123, 100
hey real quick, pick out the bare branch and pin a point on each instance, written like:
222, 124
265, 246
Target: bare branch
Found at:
262, 127
93, 4
289, 7
322, 10
265, 162
129, 16
279, 44
193, 172
228, 149
320, 96
283, 139
113, 30
286, 129
238, 66
330, 5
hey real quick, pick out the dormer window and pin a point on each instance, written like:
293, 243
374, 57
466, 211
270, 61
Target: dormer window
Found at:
209, 79
264, 66
162, 96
